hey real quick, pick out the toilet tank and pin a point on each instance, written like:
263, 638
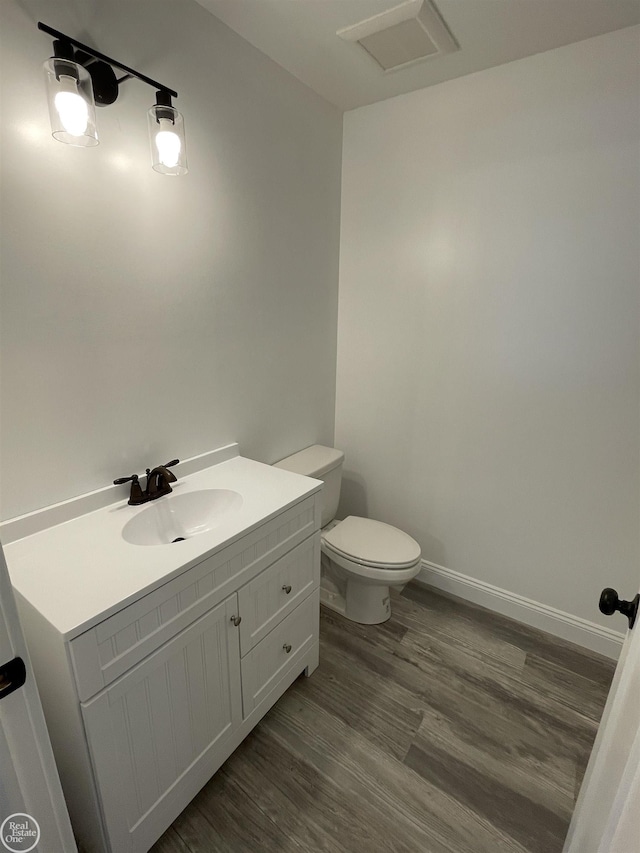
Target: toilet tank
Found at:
323, 463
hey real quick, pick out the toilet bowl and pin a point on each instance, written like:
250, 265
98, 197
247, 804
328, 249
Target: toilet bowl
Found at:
368, 557
361, 558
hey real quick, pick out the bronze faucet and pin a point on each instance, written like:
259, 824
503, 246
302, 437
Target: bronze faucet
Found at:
158, 481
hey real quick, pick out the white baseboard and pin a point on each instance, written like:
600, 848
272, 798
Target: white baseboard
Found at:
590, 635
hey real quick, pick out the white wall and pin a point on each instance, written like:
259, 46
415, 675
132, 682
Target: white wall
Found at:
146, 317
488, 348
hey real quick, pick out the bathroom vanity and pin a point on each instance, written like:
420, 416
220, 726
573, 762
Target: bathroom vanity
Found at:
154, 658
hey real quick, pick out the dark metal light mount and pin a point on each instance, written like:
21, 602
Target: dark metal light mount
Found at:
163, 99
79, 76
94, 62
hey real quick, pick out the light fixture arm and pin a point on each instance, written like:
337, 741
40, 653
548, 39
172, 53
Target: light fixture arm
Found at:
130, 72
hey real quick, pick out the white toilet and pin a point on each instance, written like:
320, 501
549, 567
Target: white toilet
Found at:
361, 558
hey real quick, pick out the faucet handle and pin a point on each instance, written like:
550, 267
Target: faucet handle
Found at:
135, 497
122, 480
169, 476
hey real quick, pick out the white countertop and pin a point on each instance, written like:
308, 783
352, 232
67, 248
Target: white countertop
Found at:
79, 572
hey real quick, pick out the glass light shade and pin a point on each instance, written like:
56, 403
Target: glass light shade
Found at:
71, 105
166, 135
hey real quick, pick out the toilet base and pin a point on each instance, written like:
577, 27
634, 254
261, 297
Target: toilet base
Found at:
364, 602
356, 597
367, 604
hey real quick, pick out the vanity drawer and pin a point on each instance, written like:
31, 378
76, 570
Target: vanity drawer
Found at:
277, 591
105, 652
269, 661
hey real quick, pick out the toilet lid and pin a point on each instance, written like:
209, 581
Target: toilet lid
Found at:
373, 543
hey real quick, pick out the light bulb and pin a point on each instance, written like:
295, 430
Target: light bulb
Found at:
72, 107
168, 144
166, 136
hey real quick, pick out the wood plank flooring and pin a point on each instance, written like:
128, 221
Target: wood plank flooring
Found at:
449, 729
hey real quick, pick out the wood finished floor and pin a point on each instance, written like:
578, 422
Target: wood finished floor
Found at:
449, 729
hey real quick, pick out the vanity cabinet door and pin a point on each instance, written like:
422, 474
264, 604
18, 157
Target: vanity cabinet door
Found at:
158, 733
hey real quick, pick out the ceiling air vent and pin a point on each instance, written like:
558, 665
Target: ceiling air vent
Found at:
405, 34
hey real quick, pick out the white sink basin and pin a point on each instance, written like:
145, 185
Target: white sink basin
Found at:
178, 517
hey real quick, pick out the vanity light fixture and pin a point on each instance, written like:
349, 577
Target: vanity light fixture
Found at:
79, 77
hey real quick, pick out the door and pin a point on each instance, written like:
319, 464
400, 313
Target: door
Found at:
605, 819
161, 730
33, 812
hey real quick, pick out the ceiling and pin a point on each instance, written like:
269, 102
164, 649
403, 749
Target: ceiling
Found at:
300, 35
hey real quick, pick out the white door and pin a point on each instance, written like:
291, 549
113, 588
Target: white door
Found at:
33, 813
606, 818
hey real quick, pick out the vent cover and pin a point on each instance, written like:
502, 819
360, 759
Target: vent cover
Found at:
405, 34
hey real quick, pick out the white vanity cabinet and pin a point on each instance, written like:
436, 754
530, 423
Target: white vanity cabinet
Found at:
146, 704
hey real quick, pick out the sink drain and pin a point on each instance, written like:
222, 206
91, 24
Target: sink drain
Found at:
177, 539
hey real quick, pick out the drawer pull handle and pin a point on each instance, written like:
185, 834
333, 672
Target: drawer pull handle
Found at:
287, 588
236, 620
287, 647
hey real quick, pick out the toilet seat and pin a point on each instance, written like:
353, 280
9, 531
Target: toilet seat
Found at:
371, 544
